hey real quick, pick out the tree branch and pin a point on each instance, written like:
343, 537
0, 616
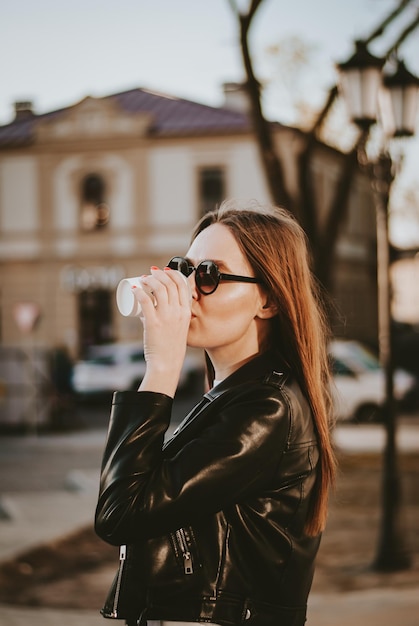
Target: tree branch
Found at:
381, 28
254, 5
405, 33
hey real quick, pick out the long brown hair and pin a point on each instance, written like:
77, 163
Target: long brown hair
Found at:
276, 248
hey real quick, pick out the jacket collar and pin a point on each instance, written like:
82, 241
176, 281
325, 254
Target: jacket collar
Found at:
268, 367
258, 368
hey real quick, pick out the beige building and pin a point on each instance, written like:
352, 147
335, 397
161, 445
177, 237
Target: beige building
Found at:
107, 187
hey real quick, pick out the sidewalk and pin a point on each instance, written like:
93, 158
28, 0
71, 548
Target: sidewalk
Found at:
384, 607
42, 516
371, 437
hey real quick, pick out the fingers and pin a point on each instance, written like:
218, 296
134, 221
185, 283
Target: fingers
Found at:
166, 320
183, 286
164, 295
168, 286
145, 297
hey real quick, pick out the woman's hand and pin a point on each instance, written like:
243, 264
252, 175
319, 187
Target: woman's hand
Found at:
166, 319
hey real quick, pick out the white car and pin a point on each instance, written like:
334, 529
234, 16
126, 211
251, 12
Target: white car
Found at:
121, 367
359, 382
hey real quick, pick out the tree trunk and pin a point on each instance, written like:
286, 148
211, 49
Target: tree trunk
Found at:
271, 163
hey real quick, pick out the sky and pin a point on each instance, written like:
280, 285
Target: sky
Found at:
56, 53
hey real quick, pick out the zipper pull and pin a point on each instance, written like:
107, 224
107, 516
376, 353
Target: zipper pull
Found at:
122, 558
187, 557
188, 563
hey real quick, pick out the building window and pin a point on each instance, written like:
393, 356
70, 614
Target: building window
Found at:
94, 212
211, 188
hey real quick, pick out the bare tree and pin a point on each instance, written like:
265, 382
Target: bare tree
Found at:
322, 239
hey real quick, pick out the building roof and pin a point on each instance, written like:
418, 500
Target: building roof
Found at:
176, 115
171, 116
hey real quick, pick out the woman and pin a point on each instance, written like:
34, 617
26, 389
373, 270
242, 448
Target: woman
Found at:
222, 523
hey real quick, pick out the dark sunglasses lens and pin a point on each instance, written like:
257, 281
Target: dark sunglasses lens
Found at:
180, 264
207, 277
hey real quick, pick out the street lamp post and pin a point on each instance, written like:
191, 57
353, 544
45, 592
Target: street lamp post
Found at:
391, 552
363, 85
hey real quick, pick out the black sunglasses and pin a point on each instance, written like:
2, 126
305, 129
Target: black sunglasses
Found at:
207, 274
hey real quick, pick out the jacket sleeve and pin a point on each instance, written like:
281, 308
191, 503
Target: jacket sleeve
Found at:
145, 493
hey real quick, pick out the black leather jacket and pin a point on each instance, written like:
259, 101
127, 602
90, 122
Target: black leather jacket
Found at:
211, 522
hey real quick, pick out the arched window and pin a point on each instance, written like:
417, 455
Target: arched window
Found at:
94, 212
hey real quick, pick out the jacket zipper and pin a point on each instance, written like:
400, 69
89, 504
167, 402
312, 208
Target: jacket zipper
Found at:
187, 558
122, 559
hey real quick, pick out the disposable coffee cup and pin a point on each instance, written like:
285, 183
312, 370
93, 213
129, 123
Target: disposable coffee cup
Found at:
126, 301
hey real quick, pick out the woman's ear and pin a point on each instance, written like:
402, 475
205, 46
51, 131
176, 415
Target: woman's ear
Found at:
267, 310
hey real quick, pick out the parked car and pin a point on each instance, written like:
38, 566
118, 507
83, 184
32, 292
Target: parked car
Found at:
121, 367
359, 382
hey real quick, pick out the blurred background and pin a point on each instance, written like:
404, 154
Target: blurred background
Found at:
120, 125
123, 124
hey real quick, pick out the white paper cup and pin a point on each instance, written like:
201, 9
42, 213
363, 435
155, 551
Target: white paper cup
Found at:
126, 301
